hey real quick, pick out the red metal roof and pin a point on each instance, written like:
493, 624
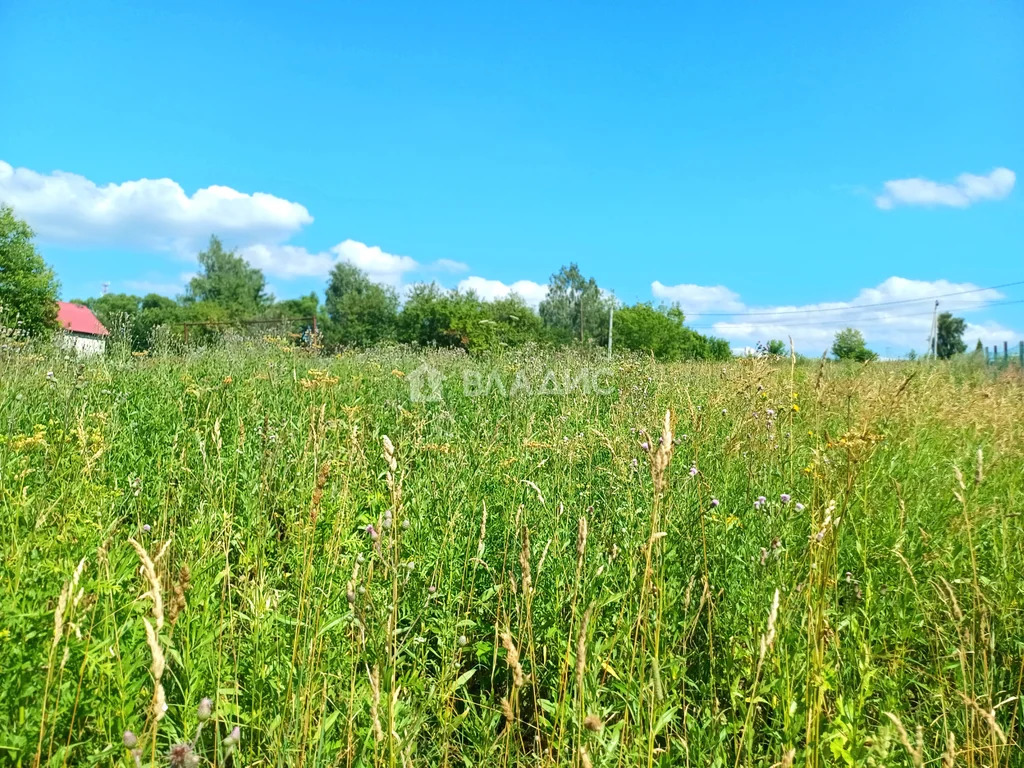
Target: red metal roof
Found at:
79, 319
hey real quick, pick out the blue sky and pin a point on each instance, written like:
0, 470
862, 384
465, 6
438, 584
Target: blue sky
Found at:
731, 157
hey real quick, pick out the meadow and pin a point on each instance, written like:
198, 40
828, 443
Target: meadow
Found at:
753, 563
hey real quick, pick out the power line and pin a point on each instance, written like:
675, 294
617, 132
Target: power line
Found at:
855, 306
859, 320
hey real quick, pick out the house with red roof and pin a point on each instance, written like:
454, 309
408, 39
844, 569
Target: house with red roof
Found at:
83, 333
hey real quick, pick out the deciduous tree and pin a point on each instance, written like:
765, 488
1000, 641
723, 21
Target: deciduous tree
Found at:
28, 287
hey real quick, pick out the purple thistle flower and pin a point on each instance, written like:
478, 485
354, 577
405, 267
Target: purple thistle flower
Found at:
762, 499
181, 756
770, 412
799, 507
714, 503
645, 445
785, 498
757, 505
129, 739
147, 528
693, 471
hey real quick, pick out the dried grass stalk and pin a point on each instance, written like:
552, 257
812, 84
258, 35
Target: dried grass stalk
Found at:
155, 592
512, 659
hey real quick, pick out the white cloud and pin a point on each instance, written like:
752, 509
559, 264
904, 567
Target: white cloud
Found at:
900, 326
489, 290
163, 287
157, 215
153, 214
289, 261
694, 299
450, 265
967, 189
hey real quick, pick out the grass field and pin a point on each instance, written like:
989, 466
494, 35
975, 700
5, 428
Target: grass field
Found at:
819, 565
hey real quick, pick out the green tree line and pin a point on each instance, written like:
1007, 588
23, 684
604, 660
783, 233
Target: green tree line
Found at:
355, 312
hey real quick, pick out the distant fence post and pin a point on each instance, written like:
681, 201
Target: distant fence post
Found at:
1006, 352
1022, 354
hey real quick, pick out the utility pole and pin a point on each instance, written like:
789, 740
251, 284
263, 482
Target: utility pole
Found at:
581, 315
611, 313
935, 330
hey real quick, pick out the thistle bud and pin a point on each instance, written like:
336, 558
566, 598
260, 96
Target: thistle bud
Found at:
205, 709
129, 739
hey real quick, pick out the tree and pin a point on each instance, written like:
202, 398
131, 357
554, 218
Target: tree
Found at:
776, 347
426, 317
950, 340
661, 332
112, 309
575, 308
360, 312
228, 282
849, 345
28, 287
140, 314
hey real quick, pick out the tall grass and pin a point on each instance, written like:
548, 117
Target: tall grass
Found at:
357, 578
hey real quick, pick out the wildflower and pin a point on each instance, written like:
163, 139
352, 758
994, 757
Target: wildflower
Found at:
714, 503
757, 505
373, 532
693, 471
770, 412
785, 497
205, 709
432, 589
645, 445
776, 542
405, 524
129, 739
796, 407
819, 536
463, 640
182, 756
234, 737
799, 507
725, 411
147, 528
762, 499
350, 596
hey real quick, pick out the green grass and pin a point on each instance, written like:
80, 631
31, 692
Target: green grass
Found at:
637, 613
